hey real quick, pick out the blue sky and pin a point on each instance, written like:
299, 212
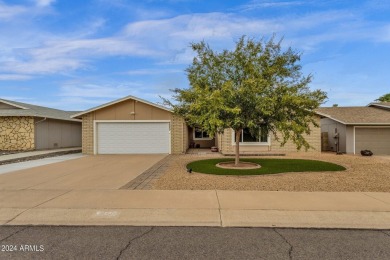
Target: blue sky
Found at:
74, 55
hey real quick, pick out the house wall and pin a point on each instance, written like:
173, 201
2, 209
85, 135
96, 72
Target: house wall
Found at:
52, 134
178, 135
350, 145
134, 110
131, 110
17, 133
87, 133
202, 143
329, 125
186, 139
226, 145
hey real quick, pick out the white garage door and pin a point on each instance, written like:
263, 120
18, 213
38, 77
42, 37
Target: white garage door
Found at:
375, 139
132, 138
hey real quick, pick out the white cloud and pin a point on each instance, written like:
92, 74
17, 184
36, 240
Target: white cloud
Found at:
66, 55
383, 35
167, 40
10, 11
256, 4
97, 91
42, 66
153, 71
17, 98
14, 77
197, 27
44, 3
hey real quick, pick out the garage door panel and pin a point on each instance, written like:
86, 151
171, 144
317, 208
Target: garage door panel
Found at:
132, 138
375, 139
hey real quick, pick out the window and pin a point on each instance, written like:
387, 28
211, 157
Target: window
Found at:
200, 134
246, 136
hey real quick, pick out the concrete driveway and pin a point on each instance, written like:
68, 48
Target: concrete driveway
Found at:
90, 172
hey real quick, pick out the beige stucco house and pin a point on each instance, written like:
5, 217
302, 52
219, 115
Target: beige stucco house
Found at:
132, 125
30, 127
357, 128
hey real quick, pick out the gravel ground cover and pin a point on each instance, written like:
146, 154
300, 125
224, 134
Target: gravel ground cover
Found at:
36, 157
370, 174
2, 152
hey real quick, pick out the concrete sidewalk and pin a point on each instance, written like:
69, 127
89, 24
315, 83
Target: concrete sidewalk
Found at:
369, 210
22, 155
6, 168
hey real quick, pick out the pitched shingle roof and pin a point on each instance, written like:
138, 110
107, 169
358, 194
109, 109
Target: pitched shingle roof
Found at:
356, 115
78, 115
24, 109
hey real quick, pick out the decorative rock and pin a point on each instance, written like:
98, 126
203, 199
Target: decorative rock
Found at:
16, 133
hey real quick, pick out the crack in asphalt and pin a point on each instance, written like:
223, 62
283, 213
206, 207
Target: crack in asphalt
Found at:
285, 240
131, 241
20, 230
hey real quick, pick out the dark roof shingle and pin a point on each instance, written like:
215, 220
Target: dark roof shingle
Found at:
36, 111
356, 115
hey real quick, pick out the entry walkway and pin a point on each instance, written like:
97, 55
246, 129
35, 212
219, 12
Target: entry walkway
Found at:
196, 208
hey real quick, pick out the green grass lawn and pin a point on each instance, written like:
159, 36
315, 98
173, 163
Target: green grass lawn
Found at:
268, 166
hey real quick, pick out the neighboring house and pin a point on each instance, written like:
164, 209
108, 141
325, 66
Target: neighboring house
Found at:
359, 128
132, 125
29, 127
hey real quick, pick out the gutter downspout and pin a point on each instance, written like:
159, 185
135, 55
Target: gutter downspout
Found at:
41, 120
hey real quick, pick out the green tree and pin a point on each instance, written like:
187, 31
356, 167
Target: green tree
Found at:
384, 98
257, 86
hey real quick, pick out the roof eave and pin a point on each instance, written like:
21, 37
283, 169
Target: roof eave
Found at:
368, 124
330, 117
42, 116
63, 119
116, 102
378, 105
12, 104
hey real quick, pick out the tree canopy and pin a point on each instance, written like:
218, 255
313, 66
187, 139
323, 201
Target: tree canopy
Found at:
257, 85
384, 98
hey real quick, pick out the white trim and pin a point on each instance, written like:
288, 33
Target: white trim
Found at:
369, 126
94, 137
170, 139
252, 144
132, 121
354, 140
328, 116
354, 134
378, 105
118, 101
12, 104
268, 143
95, 122
200, 139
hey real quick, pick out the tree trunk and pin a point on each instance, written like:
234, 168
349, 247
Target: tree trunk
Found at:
238, 136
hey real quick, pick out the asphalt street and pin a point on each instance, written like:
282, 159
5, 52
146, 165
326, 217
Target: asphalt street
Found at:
124, 242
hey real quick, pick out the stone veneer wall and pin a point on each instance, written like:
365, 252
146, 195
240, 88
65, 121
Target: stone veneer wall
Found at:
87, 133
17, 133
